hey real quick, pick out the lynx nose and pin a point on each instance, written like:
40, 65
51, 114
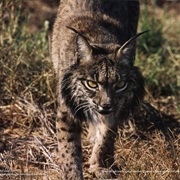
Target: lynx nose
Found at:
106, 109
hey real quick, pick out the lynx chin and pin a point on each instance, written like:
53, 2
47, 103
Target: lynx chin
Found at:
93, 53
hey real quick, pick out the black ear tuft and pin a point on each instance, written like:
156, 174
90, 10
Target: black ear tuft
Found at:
127, 50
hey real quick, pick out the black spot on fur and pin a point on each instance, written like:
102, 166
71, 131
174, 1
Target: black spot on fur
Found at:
70, 139
64, 129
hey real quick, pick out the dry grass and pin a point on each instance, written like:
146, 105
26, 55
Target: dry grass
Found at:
28, 105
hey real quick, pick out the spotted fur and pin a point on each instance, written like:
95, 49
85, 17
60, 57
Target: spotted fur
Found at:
97, 80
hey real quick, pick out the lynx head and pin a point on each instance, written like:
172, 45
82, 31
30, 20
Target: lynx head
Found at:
103, 81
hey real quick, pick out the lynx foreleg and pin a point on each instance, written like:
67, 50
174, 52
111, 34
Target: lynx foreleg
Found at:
69, 147
103, 150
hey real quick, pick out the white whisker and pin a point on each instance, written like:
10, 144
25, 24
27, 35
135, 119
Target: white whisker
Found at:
80, 106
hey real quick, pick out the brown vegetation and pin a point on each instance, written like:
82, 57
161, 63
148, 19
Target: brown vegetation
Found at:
28, 102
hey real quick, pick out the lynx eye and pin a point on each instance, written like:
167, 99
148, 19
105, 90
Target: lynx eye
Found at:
120, 86
91, 84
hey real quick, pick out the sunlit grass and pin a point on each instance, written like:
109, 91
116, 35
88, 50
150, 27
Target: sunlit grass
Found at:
23, 57
158, 53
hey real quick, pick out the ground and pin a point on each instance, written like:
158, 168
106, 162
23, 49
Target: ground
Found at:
28, 146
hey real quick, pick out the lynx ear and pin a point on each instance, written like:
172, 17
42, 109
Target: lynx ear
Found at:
83, 49
126, 52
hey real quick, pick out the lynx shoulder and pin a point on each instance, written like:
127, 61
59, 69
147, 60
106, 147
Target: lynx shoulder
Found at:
93, 50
